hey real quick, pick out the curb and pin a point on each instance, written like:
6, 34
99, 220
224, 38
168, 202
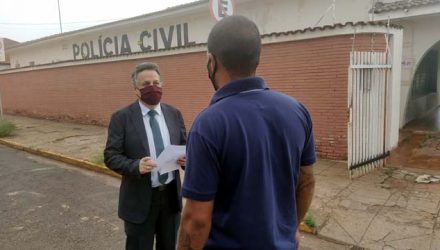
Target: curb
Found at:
60, 157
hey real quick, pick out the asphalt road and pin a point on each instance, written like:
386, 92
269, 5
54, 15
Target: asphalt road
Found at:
49, 205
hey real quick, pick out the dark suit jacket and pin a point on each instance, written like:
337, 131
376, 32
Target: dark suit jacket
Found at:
127, 143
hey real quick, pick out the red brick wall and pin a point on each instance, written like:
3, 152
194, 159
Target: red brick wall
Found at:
314, 71
90, 93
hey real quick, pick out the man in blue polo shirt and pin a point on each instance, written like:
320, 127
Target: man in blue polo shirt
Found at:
249, 178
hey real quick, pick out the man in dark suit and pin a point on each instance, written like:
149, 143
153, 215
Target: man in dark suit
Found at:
149, 202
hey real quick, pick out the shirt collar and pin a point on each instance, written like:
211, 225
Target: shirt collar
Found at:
238, 86
145, 109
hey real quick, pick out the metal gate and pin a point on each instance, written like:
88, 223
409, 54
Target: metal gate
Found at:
367, 107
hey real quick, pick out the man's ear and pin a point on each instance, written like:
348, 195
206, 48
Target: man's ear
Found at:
212, 62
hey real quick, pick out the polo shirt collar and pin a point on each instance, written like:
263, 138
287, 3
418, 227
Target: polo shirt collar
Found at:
238, 86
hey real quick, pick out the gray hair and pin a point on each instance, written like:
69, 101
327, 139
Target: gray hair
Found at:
141, 67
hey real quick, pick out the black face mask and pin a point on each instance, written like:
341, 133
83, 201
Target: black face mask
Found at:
211, 75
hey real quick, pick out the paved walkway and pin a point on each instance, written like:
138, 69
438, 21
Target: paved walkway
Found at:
385, 209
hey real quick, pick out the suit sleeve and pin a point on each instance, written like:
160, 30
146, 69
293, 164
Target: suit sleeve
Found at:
114, 155
182, 129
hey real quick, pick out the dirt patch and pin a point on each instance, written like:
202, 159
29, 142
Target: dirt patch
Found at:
417, 150
75, 140
86, 120
400, 184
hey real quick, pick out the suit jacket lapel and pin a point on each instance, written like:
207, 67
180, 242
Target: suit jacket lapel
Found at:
172, 124
138, 121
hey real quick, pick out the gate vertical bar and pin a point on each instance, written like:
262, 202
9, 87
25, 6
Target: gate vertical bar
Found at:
350, 112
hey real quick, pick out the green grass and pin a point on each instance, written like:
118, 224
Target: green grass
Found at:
6, 128
309, 220
98, 158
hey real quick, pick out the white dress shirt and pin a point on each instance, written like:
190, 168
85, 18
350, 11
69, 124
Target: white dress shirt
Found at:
165, 137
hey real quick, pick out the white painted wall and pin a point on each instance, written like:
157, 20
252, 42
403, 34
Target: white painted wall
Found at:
270, 16
2, 51
394, 101
61, 48
284, 15
437, 47
420, 34
4, 66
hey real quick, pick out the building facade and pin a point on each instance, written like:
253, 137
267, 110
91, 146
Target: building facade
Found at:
84, 75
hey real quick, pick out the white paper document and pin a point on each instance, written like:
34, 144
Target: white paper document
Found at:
167, 160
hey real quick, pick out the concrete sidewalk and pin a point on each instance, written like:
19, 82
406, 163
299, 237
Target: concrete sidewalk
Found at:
385, 209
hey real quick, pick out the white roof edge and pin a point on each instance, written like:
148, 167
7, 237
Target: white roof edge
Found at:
407, 14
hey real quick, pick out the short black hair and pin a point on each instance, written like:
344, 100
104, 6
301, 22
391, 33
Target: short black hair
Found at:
235, 41
144, 66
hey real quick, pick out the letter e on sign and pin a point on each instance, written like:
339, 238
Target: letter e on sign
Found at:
221, 8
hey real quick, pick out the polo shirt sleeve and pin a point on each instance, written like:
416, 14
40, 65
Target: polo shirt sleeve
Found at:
202, 169
308, 156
